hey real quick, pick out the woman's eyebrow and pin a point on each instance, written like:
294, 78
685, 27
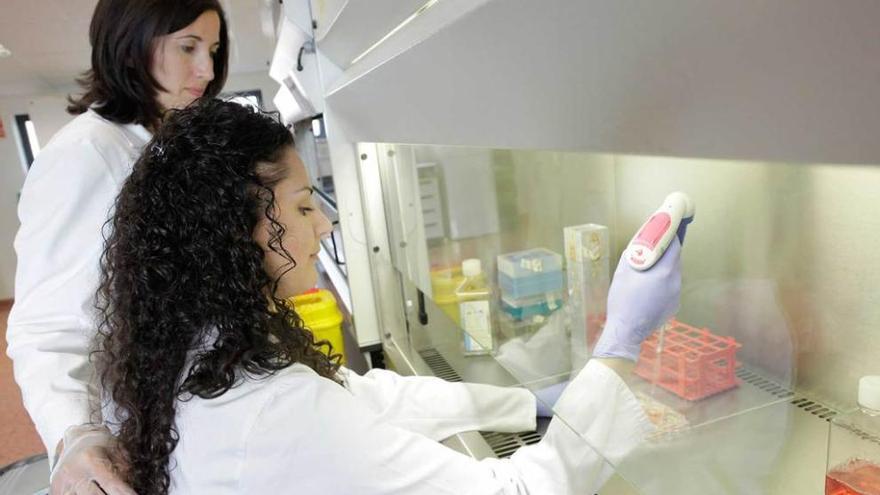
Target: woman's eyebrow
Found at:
197, 38
307, 188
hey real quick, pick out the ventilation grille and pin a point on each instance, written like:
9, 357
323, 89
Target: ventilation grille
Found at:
815, 408
505, 444
762, 383
502, 444
808, 405
864, 435
439, 365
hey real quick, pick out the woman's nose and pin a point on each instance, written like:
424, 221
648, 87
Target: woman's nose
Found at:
325, 227
205, 68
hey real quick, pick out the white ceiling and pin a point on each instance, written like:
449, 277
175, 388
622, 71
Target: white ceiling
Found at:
49, 41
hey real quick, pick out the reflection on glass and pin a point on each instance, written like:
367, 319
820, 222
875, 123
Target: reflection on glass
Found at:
770, 287
546, 227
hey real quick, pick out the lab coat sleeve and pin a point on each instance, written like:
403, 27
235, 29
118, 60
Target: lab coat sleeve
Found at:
315, 437
439, 409
63, 206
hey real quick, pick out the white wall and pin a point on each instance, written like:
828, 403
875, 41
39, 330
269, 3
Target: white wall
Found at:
254, 80
11, 179
49, 115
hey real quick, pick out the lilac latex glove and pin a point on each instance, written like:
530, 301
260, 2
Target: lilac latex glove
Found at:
683, 228
639, 302
547, 398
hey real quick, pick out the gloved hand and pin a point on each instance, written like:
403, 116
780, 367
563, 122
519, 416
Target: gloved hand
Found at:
547, 398
639, 302
84, 467
683, 228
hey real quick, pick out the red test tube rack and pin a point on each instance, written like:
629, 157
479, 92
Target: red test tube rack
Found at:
694, 363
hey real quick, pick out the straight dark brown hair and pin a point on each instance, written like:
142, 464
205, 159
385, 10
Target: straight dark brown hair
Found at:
119, 86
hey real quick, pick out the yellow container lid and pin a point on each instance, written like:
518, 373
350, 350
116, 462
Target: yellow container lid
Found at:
444, 281
317, 308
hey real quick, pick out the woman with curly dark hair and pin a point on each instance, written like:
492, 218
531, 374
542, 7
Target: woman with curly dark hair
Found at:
214, 229
188, 304
217, 387
148, 57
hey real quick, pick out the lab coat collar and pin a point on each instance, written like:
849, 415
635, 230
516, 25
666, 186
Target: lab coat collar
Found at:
136, 134
139, 131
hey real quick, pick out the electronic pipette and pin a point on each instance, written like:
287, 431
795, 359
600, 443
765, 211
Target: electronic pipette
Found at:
652, 240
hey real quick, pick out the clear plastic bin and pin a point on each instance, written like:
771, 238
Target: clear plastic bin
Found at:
529, 273
512, 328
540, 305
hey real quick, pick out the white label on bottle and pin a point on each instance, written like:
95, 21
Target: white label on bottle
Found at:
476, 322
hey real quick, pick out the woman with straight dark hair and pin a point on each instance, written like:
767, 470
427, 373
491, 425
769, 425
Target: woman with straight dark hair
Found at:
148, 57
135, 76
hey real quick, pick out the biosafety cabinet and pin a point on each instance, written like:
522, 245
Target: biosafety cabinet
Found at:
538, 136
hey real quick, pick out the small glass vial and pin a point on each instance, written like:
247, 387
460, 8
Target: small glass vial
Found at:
854, 445
474, 303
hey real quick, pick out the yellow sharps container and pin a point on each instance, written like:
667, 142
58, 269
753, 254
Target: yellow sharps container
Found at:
444, 281
321, 315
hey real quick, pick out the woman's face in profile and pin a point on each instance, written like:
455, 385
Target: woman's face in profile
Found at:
183, 61
304, 225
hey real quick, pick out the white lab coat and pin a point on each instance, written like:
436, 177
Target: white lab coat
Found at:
294, 432
66, 199
299, 433
64, 203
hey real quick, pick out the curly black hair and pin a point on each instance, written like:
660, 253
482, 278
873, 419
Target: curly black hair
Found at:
185, 305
